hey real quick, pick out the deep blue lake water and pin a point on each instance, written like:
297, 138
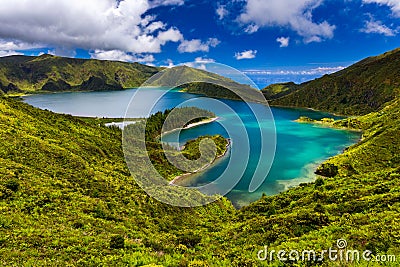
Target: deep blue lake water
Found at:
300, 147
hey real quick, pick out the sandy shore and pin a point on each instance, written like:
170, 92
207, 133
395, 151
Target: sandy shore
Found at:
183, 176
195, 124
200, 123
191, 125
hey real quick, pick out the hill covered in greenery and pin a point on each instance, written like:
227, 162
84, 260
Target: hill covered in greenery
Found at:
357, 90
197, 81
55, 74
47, 73
278, 90
67, 197
357, 197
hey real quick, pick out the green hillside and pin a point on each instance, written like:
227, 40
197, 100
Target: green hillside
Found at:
361, 88
68, 198
54, 74
359, 199
278, 90
198, 81
47, 73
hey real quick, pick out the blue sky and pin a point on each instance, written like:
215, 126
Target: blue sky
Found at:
282, 39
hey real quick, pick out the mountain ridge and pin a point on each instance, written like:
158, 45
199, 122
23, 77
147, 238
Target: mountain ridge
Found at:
357, 90
51, 73
48, 73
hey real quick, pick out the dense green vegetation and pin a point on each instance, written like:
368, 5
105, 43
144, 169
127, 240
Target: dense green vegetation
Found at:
55, 74
278, 90
47, 73
155, 125
179, 118
198, 81
67, 198
362, 88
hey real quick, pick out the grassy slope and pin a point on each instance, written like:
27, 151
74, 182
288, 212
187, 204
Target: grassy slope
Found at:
278, 90
55, 74
361, 204
198, 81
65, 191
362, 88
75, 193
52, 73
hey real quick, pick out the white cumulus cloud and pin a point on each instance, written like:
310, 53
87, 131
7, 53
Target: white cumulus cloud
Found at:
284, 41
155, 3
118, 55
393, 4
11, 45
376, 26
252, 28
204, 60
5, 53
249, 54
222, 12
296, 15
196, 45
200, 63
106, 25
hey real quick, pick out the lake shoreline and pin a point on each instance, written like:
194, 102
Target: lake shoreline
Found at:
195, 124
327, 123
288, 114
185, 175
192, 125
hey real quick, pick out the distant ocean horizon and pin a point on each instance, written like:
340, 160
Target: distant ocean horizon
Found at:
263, 78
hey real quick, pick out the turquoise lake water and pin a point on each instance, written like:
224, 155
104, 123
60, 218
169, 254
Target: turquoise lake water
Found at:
300, 147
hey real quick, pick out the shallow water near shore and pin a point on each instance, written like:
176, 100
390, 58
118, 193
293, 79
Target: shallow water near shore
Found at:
300, 147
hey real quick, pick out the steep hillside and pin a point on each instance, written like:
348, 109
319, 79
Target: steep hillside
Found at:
278, 90
48, 73
198, 81
51, 73
67, 198
359, 199
361, 88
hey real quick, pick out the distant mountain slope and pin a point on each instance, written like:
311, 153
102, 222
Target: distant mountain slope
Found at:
362, 88
51, 73
198, 81
278, 90
55, 74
